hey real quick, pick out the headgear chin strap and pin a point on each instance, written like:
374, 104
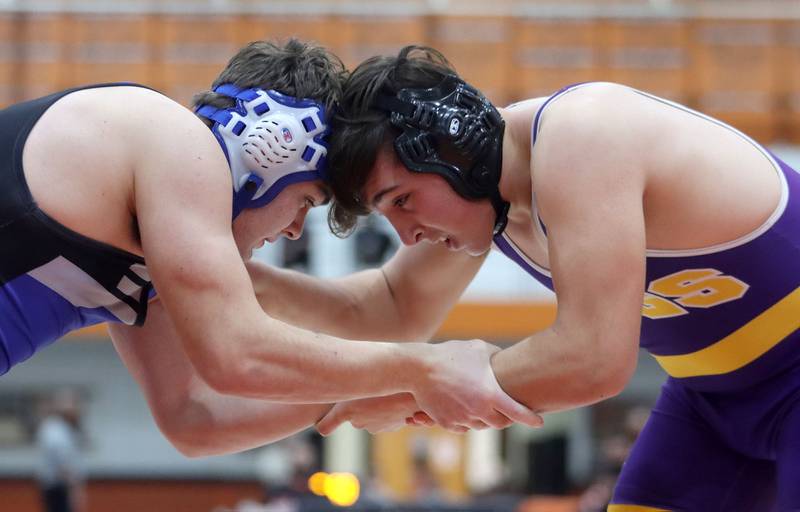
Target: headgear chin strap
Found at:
452, 130
270, 140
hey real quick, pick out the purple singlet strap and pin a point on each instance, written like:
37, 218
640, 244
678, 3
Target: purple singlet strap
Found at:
535, 125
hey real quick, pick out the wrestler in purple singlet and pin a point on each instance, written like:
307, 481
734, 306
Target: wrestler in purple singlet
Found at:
723, 322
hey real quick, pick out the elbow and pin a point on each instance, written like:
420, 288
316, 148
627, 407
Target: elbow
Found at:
190, 449
189, 428
614, 383
218, 362
185, 435
616, 370
192, 444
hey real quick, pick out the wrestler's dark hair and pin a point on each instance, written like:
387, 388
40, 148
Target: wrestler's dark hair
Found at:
295, 68
360, 130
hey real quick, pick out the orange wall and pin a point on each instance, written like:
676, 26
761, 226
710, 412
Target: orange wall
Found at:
743, 71
499, 321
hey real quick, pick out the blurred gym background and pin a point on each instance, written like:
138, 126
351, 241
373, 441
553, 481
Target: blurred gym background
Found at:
736, 60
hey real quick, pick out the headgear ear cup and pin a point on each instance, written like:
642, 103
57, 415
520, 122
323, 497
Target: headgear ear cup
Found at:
454, 131
270, 140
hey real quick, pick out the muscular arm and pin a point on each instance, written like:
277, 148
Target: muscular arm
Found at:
590, 194
182, 202
405, 300
197, 420
183, 206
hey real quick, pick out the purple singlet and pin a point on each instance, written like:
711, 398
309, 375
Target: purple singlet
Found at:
723, 322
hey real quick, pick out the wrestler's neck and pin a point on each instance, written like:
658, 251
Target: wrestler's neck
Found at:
515, 180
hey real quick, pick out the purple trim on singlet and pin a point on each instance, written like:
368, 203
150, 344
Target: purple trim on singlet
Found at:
535, 125
33, 316
769, 264
505, 247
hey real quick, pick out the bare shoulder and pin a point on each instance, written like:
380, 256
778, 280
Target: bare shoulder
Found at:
593, 110
137, 115
130, 121
598, 127
81, 157
127, 98
169, 140
115, 104
590, 140
158, 119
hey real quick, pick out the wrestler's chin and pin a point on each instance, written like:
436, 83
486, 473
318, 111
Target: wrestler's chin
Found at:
478, 249
476, 252
247, 253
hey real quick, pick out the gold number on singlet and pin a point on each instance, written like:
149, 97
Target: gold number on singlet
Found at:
693, 288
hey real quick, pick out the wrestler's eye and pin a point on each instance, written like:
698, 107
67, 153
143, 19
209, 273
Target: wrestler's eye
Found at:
401, 201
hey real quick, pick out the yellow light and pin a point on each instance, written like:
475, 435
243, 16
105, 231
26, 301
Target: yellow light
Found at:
342, 489
316, 483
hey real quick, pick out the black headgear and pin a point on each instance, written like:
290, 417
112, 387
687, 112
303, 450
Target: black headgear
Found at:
452, 130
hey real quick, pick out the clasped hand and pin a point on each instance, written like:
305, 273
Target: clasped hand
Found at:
459, 392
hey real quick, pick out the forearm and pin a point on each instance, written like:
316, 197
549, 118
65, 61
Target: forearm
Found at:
407, 299
215, 424
239, 350
282, 363
358, 306
197, 420
550, 371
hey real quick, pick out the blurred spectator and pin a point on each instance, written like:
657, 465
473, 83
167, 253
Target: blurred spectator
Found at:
284, 468
427, 492
61, 472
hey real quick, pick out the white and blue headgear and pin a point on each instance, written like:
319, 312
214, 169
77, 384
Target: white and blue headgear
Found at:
270, 140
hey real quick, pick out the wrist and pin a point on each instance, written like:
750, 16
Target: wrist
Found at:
414, 365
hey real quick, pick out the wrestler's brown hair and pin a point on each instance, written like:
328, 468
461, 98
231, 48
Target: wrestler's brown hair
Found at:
295, 68
360, 130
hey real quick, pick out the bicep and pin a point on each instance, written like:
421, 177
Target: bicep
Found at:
597, 261
183, 206
593, 208
597, 264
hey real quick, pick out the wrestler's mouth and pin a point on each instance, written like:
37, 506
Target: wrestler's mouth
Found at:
448, 241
